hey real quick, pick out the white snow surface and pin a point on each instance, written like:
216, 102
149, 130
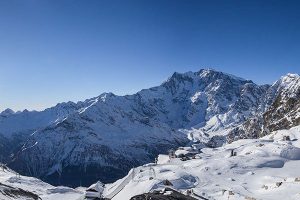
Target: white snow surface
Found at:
266, 168
44, 190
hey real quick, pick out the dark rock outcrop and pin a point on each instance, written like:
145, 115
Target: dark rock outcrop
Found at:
167, 194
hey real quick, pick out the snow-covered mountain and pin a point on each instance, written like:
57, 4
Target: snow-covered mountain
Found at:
103, 137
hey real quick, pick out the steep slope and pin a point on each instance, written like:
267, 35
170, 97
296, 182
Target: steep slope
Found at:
15, 128
282, 113
26, 122
104, 141
193, 99
114, 133
285, 111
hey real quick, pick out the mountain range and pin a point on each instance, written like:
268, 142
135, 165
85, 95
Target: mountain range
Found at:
104, 137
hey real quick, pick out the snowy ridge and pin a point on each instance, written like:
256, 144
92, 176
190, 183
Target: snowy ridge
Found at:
20, 122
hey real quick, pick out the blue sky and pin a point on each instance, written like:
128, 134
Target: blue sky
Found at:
59, 50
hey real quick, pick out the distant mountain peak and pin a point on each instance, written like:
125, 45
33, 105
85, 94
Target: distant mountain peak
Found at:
294, 75
288, 78
288, 84
7, 112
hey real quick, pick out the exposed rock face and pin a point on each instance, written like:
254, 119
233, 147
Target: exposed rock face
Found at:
282, 113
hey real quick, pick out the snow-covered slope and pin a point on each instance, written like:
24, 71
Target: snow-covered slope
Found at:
114, 133
266, 168
16, 187
15, 128
28, 121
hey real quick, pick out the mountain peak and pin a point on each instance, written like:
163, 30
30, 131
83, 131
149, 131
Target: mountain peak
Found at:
202, 73
289, 77
288, 80
7, 112
213, 72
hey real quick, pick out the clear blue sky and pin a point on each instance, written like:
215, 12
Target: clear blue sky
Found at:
58, 50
